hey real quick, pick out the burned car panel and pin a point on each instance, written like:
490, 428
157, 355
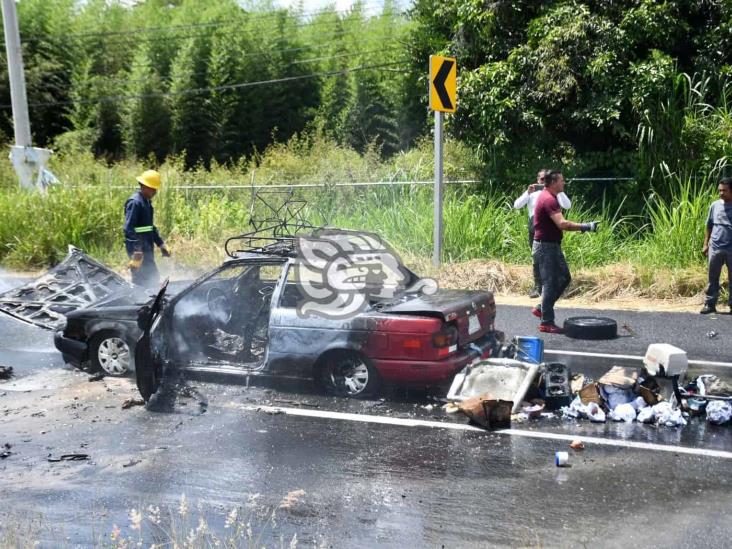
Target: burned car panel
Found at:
76, 282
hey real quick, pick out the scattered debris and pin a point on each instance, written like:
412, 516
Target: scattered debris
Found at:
130, 402
623, 412
616, 386
68, 457
230, 344
99, 376
132, 463
6, 372
6, 450
487, 412
577, 382
291, 499
272, 411
561, 459
577, 444
557, 390
501, 378
711, 334
719, 412
451, 408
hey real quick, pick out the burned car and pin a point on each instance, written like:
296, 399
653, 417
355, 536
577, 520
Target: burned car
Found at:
338, 306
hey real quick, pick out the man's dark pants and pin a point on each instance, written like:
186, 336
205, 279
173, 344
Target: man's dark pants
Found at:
147, 275
717, 259
555, 275
537, 274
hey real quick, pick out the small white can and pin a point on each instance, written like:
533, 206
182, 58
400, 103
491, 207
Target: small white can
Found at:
561, 459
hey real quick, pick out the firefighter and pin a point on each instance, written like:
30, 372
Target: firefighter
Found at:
141, 235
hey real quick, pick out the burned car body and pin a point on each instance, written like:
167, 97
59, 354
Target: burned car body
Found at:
264, 312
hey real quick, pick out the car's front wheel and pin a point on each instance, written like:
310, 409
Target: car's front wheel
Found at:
349, 374
111, 353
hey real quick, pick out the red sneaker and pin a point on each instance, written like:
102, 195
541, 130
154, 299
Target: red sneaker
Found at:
536, 312
550, 329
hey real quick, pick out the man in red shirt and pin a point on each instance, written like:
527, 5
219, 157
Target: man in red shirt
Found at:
549, 224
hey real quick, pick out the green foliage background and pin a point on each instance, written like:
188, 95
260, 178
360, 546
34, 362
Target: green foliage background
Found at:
223, 91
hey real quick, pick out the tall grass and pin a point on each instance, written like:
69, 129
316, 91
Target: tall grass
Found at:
479, 222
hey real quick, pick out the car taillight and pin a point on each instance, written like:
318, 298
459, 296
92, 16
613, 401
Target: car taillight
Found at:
446, 337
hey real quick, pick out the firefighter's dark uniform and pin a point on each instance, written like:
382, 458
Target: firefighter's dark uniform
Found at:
141, 235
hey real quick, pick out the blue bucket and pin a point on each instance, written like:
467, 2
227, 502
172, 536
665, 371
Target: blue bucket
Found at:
530, 349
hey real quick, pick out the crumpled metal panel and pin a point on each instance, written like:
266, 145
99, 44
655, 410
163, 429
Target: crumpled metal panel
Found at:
76, 282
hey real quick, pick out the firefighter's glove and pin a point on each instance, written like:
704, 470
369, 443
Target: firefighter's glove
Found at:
135, 260
165, 251
589, 227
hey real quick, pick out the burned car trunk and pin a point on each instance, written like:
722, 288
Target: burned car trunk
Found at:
77, 282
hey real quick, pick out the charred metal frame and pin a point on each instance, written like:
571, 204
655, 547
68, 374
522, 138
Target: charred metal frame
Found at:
74, 283
276, 232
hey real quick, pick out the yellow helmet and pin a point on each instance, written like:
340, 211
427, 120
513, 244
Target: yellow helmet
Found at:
150, 178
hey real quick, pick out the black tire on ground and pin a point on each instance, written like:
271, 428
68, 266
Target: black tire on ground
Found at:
110, 339
590, 327
349, 374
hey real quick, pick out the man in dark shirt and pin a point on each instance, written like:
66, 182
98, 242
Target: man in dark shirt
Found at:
549, 223
141, 235
718, 245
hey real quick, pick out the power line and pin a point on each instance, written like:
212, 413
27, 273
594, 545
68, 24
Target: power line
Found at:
56, 86
195, 91
337, 38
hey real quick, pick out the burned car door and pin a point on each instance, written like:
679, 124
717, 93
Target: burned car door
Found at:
223, 319
148, 370
76, 282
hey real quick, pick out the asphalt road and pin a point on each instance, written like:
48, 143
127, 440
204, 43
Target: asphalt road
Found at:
394, 472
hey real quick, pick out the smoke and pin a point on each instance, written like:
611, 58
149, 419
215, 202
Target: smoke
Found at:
168, 268
6, 283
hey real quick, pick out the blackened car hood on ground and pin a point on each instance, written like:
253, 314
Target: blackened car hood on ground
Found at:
77, 282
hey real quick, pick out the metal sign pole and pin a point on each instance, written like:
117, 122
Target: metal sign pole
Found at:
437, 257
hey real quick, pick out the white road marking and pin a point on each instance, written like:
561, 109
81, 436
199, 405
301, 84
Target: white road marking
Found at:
403, 422
633, 357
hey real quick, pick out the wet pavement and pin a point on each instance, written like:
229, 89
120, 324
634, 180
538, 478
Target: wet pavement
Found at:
394, 472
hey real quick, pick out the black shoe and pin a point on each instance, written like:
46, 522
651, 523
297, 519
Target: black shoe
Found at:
708, 309
534, 293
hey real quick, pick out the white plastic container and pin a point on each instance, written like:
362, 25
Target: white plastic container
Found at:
666, 360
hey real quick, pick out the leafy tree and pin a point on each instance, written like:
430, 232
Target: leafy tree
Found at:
192, 127
145, 120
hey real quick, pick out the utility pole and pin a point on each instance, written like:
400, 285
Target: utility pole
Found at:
18, 96
29, 161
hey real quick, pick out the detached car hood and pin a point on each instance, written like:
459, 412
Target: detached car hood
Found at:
444, 302
77, 282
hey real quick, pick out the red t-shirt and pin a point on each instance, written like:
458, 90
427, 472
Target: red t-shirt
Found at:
545, 229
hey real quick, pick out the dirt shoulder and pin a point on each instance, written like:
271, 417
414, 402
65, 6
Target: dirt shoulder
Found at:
683, 305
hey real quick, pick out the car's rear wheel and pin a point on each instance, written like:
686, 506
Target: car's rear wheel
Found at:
111, 353
348, 374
